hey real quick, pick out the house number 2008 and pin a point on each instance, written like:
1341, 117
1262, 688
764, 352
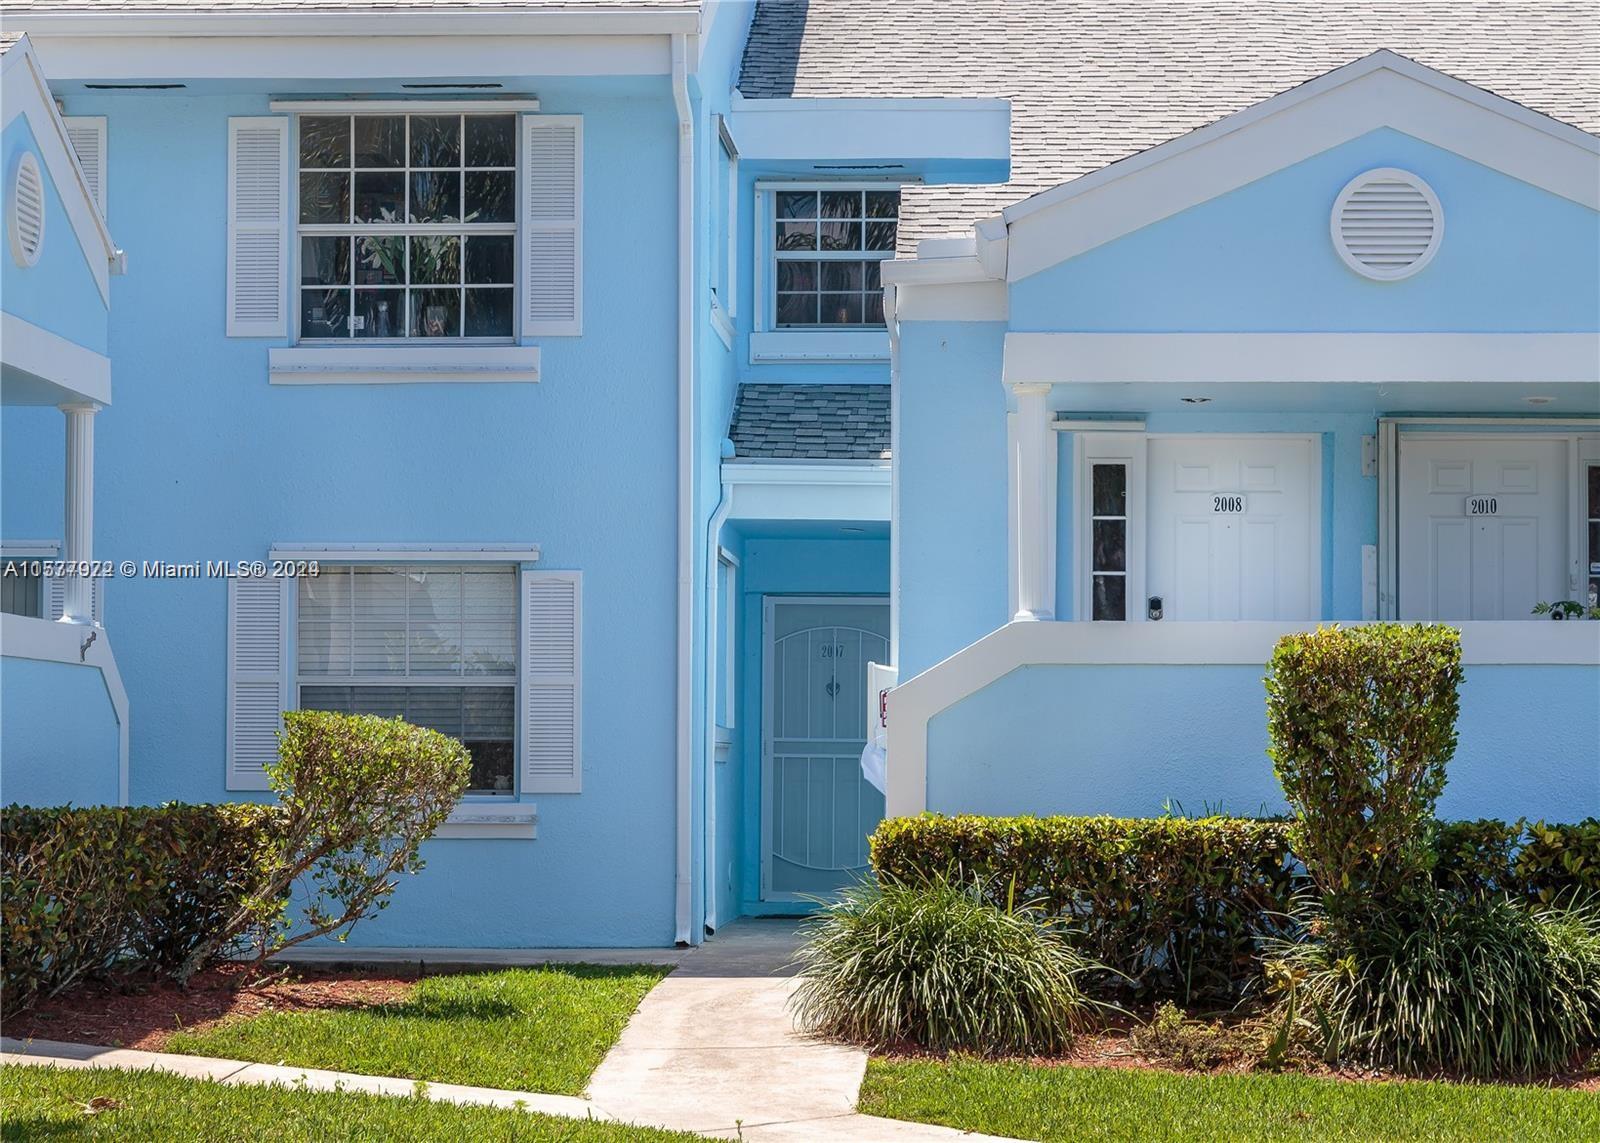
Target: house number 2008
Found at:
1231, 505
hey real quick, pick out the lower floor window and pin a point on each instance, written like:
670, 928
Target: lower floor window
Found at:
435, 645
21, 591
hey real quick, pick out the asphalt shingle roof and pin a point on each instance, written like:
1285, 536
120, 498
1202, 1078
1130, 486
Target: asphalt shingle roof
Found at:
1094, 82
811, 422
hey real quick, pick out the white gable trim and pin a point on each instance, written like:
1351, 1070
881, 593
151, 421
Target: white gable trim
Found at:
1381, 90
1365, 358
75, 369
27, 93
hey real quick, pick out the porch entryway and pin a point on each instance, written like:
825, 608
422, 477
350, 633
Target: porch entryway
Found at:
817, 809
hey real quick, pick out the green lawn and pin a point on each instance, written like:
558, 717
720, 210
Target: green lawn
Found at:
526, 1029
1050, 1103
50, 1103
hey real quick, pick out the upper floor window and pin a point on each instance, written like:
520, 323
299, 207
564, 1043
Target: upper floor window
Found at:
827, 243
407, 225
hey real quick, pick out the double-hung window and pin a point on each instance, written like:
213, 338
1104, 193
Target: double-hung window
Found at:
435, 645
827, 244
406, 226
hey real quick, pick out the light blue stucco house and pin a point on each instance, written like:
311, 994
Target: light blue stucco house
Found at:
639, 391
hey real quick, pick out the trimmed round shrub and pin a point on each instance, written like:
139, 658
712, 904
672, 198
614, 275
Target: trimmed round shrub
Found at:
1483, 987
938, 965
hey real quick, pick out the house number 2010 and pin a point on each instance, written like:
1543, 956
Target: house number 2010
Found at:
1483, 506
1227, 505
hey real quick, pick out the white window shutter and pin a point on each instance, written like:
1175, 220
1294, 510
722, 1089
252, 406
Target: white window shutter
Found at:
258, 226
87, 134
550, 671
257, 678
55, 598
551, 225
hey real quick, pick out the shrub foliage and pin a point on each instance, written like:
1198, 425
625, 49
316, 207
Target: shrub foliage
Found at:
142, 887
1177, 906
1362, 722
940, 965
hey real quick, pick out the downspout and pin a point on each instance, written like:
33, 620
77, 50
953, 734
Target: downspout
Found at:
891, 319
683, 894
713, 654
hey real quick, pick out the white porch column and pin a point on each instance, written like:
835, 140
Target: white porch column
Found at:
80, 509
1035, 584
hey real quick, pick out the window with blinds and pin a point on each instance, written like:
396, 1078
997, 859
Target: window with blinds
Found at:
435, 645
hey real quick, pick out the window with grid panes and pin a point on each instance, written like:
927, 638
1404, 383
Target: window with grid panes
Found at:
1108, 552
407, 225
434, 645
827, 246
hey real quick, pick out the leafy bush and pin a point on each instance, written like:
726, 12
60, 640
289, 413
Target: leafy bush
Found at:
358, 796
1362, 722
1484, 987
1177, 906
939, 965
83, 890
1533, 862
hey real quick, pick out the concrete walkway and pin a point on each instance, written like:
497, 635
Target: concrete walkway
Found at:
713, 1049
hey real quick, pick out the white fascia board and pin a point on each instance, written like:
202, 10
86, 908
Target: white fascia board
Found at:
936, 269
849, 490
27, 92
407, 552
357, 21
294, 57
1362, 358
871, 130
82, 374
1381, 90
423, 104
398, 364
952, 301
819, 345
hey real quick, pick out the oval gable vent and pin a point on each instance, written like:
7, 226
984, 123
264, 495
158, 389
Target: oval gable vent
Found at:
1387, 224
25, 210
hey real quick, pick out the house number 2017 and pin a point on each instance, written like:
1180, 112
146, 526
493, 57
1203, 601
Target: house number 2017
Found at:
1227, 505
831, 651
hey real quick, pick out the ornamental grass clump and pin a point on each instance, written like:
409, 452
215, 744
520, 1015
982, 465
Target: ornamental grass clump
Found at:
938, 965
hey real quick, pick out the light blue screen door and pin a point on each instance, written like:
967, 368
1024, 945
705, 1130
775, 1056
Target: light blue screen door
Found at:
816, 809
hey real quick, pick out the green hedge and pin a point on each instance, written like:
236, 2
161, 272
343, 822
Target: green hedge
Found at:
1180, 905
1176, 905
86, 890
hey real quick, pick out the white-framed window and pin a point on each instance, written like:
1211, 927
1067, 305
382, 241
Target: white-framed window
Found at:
406, 225
725, 187
823, 246
1108, 540
435, 644
1109, 544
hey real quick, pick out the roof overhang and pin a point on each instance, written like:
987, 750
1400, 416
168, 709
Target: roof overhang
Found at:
1377, 91
354, 21
27, 93
815, 490
939, 140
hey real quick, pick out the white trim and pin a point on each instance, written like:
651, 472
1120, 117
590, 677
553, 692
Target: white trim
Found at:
1356, 358
49, 641
314, 106
721, 324
729, 670
357, 21
484, 819
1380, 90
842, 490
873, 132
685, 931
81, 373
819, 345
415, 362
913, 704
1388, 519
407, 553
1066, 424
29, 549
985, 300
1130, 450
36, 102
1391, 273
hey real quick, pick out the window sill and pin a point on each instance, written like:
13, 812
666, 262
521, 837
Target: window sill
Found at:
821, 345
400, 364
491, 820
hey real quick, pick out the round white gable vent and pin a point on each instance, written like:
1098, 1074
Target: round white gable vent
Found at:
1387, 224
25, 210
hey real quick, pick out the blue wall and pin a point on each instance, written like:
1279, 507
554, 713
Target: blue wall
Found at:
58, 293
1132, 740
200, 458
58, 732
1513, 258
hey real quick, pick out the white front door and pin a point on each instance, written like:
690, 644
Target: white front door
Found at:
1483, 525
817, 809
1235, 527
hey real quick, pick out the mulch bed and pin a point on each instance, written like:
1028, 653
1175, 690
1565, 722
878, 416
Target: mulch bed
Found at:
145, 1014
